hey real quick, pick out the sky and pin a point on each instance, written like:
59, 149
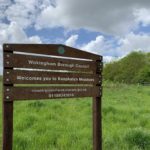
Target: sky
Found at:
111, 28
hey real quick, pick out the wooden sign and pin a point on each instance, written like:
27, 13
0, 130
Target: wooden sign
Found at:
50, 71
31, 93
43, 77
39, 62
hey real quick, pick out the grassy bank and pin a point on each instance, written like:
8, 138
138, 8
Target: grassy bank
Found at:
67, 124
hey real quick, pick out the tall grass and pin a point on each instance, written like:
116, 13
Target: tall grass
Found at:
67, 124
126, 113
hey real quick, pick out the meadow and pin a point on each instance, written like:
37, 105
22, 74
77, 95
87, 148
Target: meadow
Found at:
67, 124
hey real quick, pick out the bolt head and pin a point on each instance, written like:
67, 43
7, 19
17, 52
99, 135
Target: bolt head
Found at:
7, 79
7, 90
7, 97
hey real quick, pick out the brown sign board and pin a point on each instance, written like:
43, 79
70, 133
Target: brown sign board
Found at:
32, 93
51, 49
50, 63
50, 71
43, 77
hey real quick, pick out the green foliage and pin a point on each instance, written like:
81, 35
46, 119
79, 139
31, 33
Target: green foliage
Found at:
133, 68
143, 75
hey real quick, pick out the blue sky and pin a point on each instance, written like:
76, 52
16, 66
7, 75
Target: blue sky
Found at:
112, 28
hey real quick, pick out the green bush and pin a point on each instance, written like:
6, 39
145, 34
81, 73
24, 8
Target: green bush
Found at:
143, 75
133, 68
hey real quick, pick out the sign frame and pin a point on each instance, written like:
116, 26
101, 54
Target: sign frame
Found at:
56, 50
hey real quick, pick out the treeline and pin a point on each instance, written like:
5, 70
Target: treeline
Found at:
134, 68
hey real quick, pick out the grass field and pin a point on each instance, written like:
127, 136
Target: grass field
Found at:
67, 124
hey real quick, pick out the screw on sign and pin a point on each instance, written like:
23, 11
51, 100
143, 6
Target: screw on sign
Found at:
69, 66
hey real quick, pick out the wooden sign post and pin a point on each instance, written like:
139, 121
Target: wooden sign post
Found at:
78, 72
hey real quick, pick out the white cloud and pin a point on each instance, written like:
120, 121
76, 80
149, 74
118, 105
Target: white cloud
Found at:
15, 34
111, 17
143, 16
71, 41
100, 46
134, 42
95, 46
23, 12
3, 6
130, 42
34, 39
